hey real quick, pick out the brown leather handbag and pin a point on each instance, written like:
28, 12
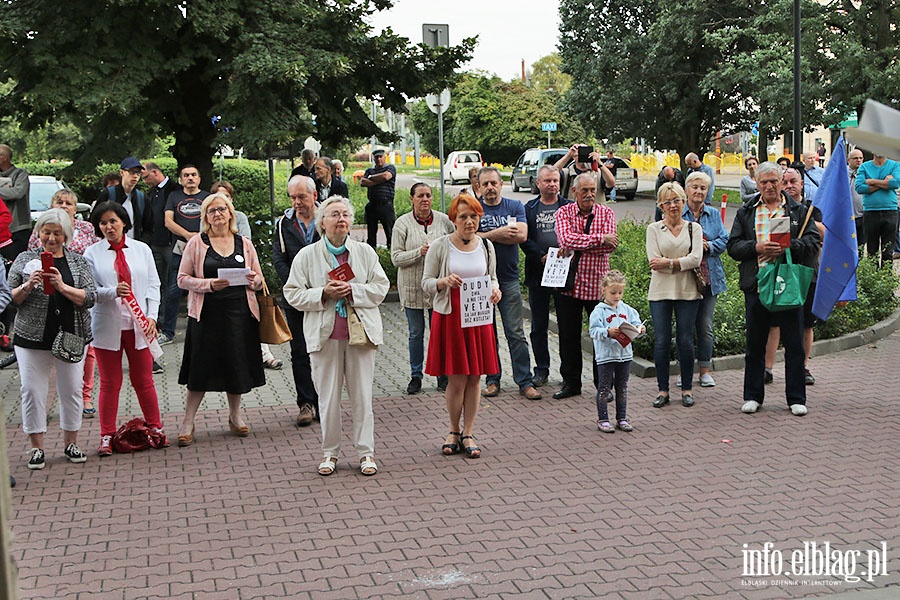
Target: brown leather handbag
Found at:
273, 327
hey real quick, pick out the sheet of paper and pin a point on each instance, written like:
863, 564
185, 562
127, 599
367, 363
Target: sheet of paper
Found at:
234, 276
879, 130
475, 302
556, 269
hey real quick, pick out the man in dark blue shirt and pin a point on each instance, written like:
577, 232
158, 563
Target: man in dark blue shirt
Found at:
379, 181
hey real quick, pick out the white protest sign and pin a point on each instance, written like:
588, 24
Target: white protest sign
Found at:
556, 269
475, 302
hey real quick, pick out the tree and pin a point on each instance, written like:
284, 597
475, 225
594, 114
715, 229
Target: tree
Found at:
547, 75
662, 71
129, 71
500, 119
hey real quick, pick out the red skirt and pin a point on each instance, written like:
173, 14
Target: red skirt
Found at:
453, 350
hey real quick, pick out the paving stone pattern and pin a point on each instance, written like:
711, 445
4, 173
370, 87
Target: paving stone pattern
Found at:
553, 509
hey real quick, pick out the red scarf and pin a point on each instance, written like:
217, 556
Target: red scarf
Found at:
120, 264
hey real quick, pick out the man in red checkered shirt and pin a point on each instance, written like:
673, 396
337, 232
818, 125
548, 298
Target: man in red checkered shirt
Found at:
589, 230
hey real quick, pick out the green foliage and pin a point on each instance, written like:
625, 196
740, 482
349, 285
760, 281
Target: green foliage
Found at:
263, 66
547, 75
384, 257
500, 119
676, 73
875, 290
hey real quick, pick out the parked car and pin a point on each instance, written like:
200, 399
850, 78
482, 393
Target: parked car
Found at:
458, 164
524, 172
42, 189
626, 179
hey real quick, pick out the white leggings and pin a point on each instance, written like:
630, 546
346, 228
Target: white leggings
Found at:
34, 371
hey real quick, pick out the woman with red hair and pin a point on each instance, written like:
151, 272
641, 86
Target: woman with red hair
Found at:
450, 261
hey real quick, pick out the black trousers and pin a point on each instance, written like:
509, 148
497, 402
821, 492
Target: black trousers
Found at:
881, 231
569, 319
306, 391
759, 320
376, 213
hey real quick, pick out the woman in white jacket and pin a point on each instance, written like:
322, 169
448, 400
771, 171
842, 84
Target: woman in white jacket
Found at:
338, 283
124, 318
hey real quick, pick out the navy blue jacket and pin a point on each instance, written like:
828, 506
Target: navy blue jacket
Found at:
534, 268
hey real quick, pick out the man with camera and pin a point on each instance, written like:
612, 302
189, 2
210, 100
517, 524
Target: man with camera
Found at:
586, 160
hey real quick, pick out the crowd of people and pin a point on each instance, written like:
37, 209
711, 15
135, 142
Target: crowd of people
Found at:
86, 293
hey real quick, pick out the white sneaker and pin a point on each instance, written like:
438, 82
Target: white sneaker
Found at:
799, 409
706, 380
750, 407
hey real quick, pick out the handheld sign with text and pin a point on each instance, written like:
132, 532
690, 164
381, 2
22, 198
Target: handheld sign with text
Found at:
475, 302
556, 269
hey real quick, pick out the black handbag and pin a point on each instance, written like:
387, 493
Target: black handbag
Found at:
67, 346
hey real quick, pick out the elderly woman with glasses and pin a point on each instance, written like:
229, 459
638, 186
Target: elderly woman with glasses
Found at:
338, 283
674, 249
221, 347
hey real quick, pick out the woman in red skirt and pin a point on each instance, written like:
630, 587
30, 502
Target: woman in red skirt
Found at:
464, 354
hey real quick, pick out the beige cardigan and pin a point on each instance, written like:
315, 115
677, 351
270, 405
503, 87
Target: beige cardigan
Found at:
674, 285
406, 244
437, 266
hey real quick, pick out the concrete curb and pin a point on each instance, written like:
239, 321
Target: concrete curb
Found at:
646, 369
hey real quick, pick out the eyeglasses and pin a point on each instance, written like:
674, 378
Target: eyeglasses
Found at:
338, 215
671, 202
216, 210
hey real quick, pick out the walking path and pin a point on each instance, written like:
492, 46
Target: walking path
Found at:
553, 509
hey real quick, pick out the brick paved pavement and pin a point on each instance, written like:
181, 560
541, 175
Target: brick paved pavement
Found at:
554, 509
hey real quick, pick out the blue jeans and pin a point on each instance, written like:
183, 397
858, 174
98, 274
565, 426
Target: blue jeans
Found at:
415, 321
511, 314
705, 313
173, 298
685, 317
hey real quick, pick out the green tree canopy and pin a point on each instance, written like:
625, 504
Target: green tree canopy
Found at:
126, 71
500, 119
675, 74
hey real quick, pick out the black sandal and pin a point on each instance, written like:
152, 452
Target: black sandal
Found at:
471, 451
451, 449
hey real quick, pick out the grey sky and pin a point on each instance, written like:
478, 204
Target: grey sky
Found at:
508, 30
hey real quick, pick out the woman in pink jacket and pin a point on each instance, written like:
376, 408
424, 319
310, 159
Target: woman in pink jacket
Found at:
221, 348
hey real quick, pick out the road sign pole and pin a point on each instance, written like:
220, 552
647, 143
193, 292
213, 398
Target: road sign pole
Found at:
548, 139
440, 113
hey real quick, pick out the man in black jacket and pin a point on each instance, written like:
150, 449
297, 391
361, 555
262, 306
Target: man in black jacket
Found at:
159, 239
750, 245
327, 185
293, 231
133, 200
540, 214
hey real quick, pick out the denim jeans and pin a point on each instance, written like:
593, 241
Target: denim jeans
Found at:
705, 313
539, 303
415, 321
685, 317
510, 307
173, 298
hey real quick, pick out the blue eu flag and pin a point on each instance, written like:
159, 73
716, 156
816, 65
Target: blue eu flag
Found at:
837, 268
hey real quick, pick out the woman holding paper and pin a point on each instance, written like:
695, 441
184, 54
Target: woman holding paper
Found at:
221, 271
674, 249
123, 319
464, 354
338, 283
